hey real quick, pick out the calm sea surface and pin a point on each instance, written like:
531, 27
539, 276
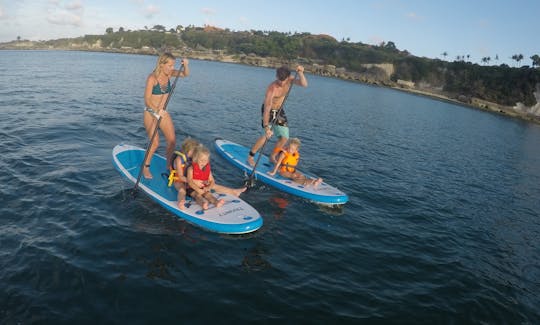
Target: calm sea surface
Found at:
443, 223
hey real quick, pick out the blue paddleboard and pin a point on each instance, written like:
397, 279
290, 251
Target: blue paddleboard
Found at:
234, 217
237, 155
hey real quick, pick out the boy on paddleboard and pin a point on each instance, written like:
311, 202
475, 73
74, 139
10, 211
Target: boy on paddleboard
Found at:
286, 163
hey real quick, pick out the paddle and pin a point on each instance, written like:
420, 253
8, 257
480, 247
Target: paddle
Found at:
250, 182
156, 130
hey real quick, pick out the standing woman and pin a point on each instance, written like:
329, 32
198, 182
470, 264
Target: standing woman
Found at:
158, 89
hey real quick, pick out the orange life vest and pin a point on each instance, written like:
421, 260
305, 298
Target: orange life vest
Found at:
289, 162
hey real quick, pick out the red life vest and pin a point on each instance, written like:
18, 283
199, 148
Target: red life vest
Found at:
201, 174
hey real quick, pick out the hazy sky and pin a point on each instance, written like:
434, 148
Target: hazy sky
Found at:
478, 28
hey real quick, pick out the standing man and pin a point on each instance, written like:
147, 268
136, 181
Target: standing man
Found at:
271, 113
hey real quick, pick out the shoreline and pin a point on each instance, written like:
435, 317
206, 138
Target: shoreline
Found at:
219, 56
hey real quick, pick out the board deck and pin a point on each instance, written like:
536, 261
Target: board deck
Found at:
234, 217
237, 155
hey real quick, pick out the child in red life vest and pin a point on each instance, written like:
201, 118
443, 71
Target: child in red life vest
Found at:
178, 173
287, 161
201, 181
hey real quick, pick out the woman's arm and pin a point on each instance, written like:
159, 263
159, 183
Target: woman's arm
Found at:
150, 82
185, 71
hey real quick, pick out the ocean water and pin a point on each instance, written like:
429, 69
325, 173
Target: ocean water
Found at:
443, 223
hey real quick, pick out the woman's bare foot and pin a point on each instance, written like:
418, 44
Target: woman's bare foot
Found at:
146, 172
220, 203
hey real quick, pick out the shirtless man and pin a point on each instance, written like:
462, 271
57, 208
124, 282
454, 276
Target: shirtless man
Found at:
275, 95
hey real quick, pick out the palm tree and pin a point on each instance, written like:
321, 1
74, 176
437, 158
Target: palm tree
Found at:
536, 60
517, 57
444, 54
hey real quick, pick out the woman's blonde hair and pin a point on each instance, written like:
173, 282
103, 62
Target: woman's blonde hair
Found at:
162, 59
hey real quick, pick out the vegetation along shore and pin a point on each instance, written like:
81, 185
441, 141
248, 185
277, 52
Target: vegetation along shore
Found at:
512, 91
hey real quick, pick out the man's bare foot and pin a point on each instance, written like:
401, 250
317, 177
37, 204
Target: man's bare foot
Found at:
317, 182
220, 203
250, 160
181, 204
146, 172
236, 192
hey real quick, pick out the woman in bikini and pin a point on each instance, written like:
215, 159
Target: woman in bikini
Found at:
158, 88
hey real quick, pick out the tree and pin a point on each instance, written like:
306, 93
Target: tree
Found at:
517, 57
18, 38
109, 30
390, 46
444, 54
535, 60
121, 29
160, 28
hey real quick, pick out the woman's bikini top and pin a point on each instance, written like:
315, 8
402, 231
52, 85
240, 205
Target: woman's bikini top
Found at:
158, 90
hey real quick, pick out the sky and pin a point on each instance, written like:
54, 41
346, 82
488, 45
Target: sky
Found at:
425, 28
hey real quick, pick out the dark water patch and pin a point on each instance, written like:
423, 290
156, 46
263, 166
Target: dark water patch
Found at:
441, 227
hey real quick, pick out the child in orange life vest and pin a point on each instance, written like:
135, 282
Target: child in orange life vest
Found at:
201, 181
288, 160
178, 169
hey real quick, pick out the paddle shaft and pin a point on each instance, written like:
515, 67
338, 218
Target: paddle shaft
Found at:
271, 128
156, 129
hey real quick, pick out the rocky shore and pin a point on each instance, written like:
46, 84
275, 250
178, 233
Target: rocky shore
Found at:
375, 74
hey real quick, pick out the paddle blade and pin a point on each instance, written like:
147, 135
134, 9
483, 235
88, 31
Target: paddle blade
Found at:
250, 182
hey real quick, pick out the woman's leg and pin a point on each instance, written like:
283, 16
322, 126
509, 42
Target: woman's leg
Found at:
167, 127
150, 123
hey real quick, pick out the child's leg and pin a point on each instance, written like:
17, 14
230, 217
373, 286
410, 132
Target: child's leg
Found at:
213, 200
296, 177
227, 190
181, 197
200, 200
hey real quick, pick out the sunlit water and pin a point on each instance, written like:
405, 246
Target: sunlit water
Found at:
442, 225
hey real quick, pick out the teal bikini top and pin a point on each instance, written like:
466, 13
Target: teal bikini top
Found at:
158, 90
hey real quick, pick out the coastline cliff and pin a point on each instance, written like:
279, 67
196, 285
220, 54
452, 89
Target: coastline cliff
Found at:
381, 74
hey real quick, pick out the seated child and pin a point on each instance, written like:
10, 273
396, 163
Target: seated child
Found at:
201, 181
287, 160
178, 170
